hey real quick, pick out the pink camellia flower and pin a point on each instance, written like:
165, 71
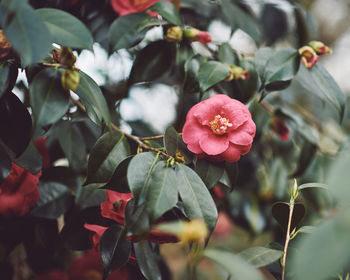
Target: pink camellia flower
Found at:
219, 129
124, 7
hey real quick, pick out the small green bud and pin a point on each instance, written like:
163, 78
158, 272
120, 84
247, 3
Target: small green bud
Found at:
70, 79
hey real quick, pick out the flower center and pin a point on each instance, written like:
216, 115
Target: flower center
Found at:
219, 125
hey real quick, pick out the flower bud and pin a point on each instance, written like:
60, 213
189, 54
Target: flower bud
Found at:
70, 79
308, 56
280, 128
194, 231
237, 73
195, 35
5, 46
174, 34
66, 57
320, 48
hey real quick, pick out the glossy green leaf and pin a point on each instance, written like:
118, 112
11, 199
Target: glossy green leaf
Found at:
236, 266
30, 159
25, 30
147, 260
127, 30
227, 55
211, 73
137, 220
197, 201
119, 181
320, 83
109, 150
307, 154
55, 199
152, 62
64, 175
260, 256
230, 175
260, 60
89, 196
280, 211
168, 11
49, 100
91, 94
191, 68
209, 172
65, 29
15, 124
8, 76
307, 229
115, 251
173, 144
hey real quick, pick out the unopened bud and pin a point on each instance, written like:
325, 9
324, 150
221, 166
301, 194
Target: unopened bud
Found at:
237, 73
174, 34
70, 79
308, 56
194, 231
320, 48
66, 57
295, 192
5, 46
195, 35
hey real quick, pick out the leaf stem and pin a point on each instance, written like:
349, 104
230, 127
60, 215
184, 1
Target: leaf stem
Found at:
288, 237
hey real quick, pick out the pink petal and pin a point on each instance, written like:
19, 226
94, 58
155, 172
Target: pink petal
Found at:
236, 112
195, 148
193, 131
232, 154
240, 137
214, 145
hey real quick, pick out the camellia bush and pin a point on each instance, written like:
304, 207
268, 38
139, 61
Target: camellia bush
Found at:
244, 184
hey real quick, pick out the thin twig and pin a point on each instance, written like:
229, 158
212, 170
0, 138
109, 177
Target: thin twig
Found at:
130, 136
291, 209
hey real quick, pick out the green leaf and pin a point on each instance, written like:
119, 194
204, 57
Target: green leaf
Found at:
16, 123
320, 83
89, 196
260, 256
49, 100
8, 76
197, 201
211, 73
146, 260
227, 55
30, 159
119, 181
127, 30
307, 229
139, 171
237, 18
209, 172
191, 68
313, 185
173, 144
260, 60
25, 30
280, 211
66, 29
307, 154
152, 62
115, 251
137, 220
110, 150
168, 11
55, 199
91, 94
238, 268
5, 164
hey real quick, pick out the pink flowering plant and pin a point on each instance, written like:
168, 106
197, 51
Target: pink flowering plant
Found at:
148, 139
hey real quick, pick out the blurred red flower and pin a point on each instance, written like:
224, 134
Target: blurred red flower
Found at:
219, 128
124, 7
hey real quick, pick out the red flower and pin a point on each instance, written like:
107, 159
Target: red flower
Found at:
89, 267
224, 225
114, 209
219, 129
18, 192
280, 128
124, 7
53, 274
196, 35
40, 145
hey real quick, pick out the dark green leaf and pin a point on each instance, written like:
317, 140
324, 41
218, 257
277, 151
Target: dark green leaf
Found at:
320, 83
191, 68
236, 266
260, 256
49, 100
173, 144
55, 199
16, 123
230, 175
115, 251
307, 229
168, 11
197, 201
25, 30
91, 94
146, 260
260, 60
5, 164
210, 73
109, 150
152, 62
8, 77
63, 175
306, 156
119, 180
137, 220
30, 159
280, 211
127, 30
89, 196
66, 29
227, 55
209, 172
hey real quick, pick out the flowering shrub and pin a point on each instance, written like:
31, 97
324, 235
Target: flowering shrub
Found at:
219, 128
